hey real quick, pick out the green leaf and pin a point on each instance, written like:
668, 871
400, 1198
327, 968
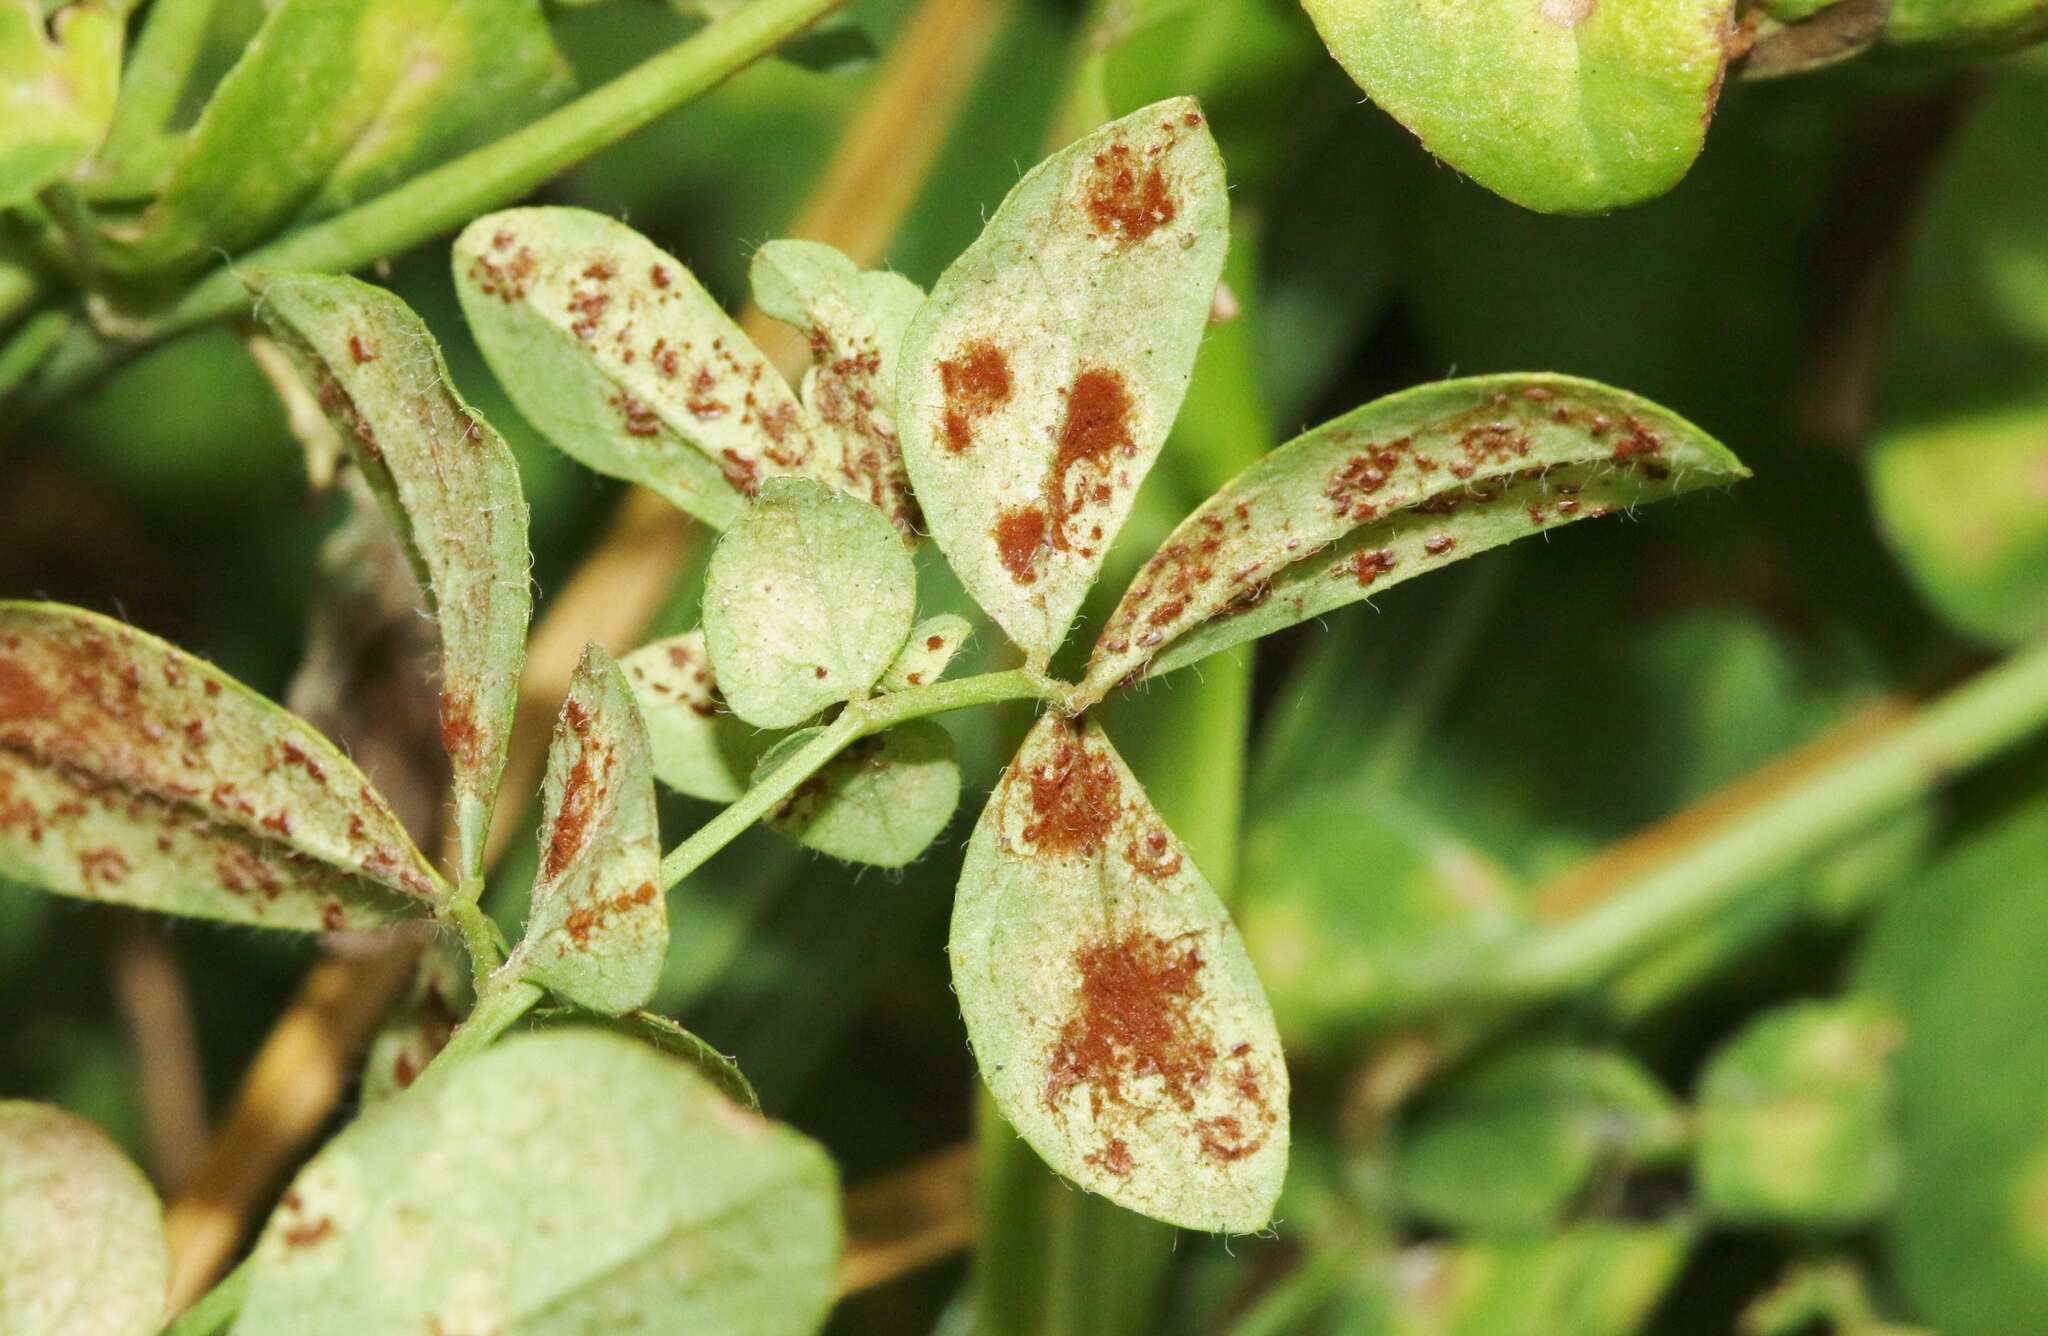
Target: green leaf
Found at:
1406, 484
664, 1035
610, 346
560, 1182
699, 747
82, 1248
1795, 1118
1516, 1142
855, 322
1564, 106
597, 931
1042, 376
881, 801
1979, 27
1112, 1009
806, 603
451, 488
932, 644
1592, 1280
1796, 36
135, 773
419, 1028
333, 102
58, 78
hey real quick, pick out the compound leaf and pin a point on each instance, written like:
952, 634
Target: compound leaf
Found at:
881, 801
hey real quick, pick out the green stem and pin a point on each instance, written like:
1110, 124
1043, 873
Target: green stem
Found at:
497, 1008
217, 1308
479, 938
172, 37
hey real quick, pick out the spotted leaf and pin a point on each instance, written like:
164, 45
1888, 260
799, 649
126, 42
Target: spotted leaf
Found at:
931, 646
1041, 377
881, 801
1113, 1011
699, 747
57, 82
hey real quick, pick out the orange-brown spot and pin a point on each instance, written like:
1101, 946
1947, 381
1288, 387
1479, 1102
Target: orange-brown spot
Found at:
1019, 535
1133, 1017
1113, 1158
976, 383
1097, 429
21, 696
460, 736
1076, 797
360, 350
580, 794
1127, 198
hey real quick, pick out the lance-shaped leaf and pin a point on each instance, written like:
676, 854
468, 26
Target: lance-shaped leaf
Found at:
1401, 486
449, 485
58, 77
1113, 1011
82, 1248
611, 347
806, 603
854, 320
932, 644
700, 748
1041, 377
333, 102
598, 928
1567, 106
133, 772
566, 1181
882, 801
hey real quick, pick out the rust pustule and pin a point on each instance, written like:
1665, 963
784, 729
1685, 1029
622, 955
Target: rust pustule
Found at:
1127, 197
587, 919
976, 382
1020, 535
460, 737
1097, 429
1133, 1017
21, 696
1076, 797
580, 794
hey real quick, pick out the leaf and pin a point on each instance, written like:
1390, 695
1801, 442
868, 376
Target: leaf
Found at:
416, 1032
855, 322
665, 1036
1798, 36
451, 488
82, 1248
567, 1181
1590, 1280
1563, 106
333, 102
881, 801
1795, 1118
699, 748
133, 772
609, 346
930, 648
1979, 27
1112, 1009
58, 78
598, 927
1041, 377
806, 602
1401, 486
1515, 1143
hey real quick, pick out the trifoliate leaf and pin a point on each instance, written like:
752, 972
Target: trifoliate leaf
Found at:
82, 1248
1112, 1009
451, 488
882, 801
566, 1181
699, 747
806, 603
1041, 377
135, 773
598, 929
932, 644
1406, 484
1564, 106
58, 77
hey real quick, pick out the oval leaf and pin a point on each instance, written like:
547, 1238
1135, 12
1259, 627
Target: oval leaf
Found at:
81, 1234
665, 1036
598, 929
1566, 106
133, 772
1113, 1011
58, 77
699, 747
1040, 379
806, 603
563, 1181
451, 488
1401, 486
932, 644
881, 801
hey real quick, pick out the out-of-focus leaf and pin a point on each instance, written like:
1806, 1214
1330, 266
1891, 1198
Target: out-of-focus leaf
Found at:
932, 644
1566, 106
699, 747
133, 772
1113, 1011
1043, 374
420, 1027
1795, 1118
881, 801
1514, 1143
56, 91
1591, 1280
598, 926
1825, 1295
807, 602
449, 485
81, 1234
1800, 35
333, 102
661, 1033
560, 1182
1401, 486
1980, 27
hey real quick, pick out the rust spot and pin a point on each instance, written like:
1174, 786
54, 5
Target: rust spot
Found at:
360, 350
1223, 1138
976, 383
1113, 1158
1438, 543
460, 737
1152, 855
1127, 198
506, 281
309, 1233
1133, 1017
587, 919
934, 642
1368, 565
1019, 534
21, 696
658, 275
580, 794
1075, 798
638, 416
1096, 429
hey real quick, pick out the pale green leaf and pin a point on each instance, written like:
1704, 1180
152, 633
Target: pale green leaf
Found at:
82, 1248
1565, 106
806, 603
559, 1183
661, 1033
882, 801
1112, 1009
1591, 1280
1043, 374
1983, 27
932, 644
56, 92
420, 1027
1406, 484
855, 322
451, 488
597, 931
699, 747
135, 773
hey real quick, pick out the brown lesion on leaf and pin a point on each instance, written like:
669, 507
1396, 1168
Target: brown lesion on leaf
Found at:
299, 1230
1095, 432
1128, 195
1133, 1016
361, 350
1075, 794
976, 382
460, 736
1367, 565
1020, 535
502, 271
585, 921
1152, 854
1113, 1158
583, 790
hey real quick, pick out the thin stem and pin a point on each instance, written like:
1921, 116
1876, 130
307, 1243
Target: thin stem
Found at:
173, 35
497, 1008
217, 1308
479, 938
